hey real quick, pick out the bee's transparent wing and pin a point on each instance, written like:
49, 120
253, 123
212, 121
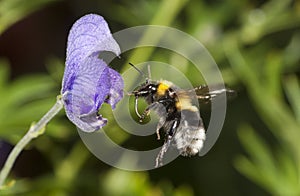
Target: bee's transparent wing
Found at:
204, 94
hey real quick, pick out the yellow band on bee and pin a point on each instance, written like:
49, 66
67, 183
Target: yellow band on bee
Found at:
162, 88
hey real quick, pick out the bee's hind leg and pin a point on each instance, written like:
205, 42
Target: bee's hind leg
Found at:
160, 156
168, 140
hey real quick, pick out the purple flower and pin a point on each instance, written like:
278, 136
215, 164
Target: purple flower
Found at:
88, 81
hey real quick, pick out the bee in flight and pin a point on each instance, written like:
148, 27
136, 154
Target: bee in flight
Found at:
179, 119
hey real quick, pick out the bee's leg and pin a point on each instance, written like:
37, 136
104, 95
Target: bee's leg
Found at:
146, 112
136, 107
160, 156
161, 120
168, 140
159, 126
173, 128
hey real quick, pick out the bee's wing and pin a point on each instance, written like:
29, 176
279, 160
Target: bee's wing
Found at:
204, 94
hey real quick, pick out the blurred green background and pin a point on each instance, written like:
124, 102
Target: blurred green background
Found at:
256, 45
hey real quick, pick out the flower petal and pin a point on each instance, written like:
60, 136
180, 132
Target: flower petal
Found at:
88, 91
90, 34
88, 82
115, 93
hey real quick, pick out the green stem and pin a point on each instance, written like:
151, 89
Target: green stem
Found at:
34, 131
165, 15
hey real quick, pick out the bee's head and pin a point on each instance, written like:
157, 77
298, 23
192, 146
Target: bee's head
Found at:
145, 89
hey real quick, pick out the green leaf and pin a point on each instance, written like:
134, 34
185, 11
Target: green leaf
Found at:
23, 100
55, 67
250, 170
276, 172
292, 89
261, 155
12, 11
272, 74
4, 73
287, 167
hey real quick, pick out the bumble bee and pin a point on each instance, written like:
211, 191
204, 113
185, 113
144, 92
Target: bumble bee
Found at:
179, 118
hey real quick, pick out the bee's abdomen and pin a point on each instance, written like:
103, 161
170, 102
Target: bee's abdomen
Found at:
190, 142
190, 136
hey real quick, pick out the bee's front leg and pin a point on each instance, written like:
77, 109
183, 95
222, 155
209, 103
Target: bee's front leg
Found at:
146, 112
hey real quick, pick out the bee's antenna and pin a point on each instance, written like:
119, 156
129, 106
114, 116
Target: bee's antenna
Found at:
149, 73
142, 73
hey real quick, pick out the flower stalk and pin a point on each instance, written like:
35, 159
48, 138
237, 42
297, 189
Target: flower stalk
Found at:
34, 131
